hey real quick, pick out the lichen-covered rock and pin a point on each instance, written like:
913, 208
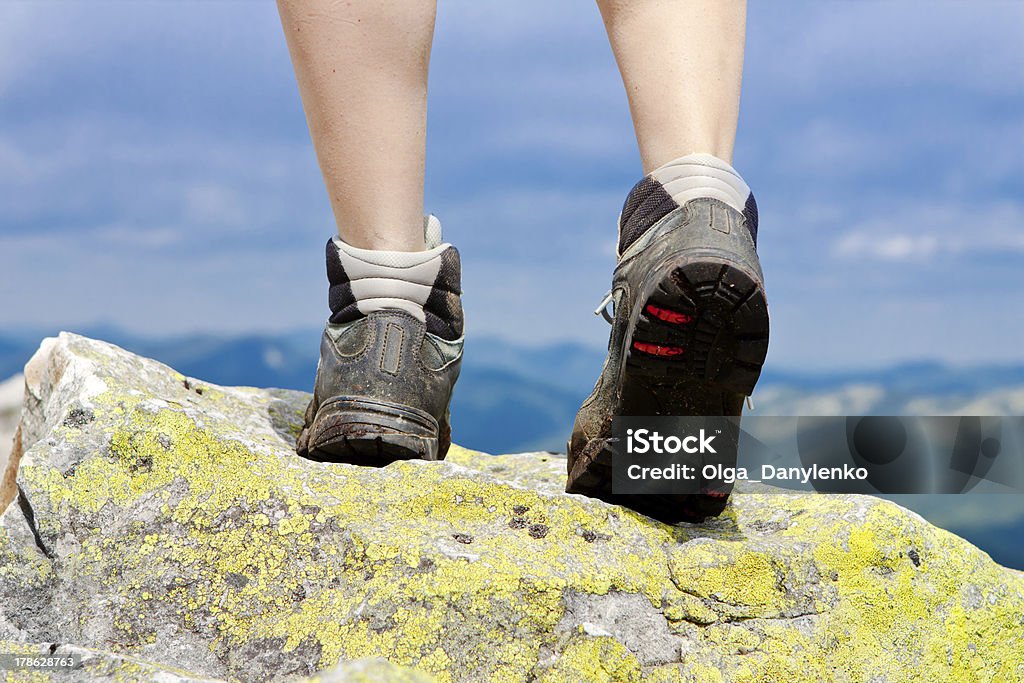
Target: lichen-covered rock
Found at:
61, 662
376, 670
84, 664
169, 520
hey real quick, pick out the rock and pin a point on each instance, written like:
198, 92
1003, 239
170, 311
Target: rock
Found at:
376, 670
11, 391
98, 666
95, 665
167, 520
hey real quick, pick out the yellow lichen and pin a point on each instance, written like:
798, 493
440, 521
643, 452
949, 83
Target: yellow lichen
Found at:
600, 660
417, 563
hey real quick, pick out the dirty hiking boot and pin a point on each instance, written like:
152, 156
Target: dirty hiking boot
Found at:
389, 356
690, 327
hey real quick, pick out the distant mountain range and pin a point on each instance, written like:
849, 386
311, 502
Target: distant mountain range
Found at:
508, 398
512, 398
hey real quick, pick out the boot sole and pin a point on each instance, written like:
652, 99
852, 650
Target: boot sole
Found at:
592, 477
696, 342
703, 319
363, 431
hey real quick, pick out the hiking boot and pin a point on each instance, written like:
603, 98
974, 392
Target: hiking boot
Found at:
690, 327
389, 356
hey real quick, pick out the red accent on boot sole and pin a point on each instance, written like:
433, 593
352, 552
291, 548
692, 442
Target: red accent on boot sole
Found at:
668, 316
657, 349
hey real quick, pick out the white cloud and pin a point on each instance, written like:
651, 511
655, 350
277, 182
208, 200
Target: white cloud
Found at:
921, 231
887, 247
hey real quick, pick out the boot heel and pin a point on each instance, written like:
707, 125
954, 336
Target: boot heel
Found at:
363, 431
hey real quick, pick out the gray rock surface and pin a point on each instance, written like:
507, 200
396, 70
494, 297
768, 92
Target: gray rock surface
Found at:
166, 522
11, 393
85, 664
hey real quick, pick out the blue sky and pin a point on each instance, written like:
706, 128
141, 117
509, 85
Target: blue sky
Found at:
156, 171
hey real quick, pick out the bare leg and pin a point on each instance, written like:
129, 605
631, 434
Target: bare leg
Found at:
690, 331
362, 72
682, 65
